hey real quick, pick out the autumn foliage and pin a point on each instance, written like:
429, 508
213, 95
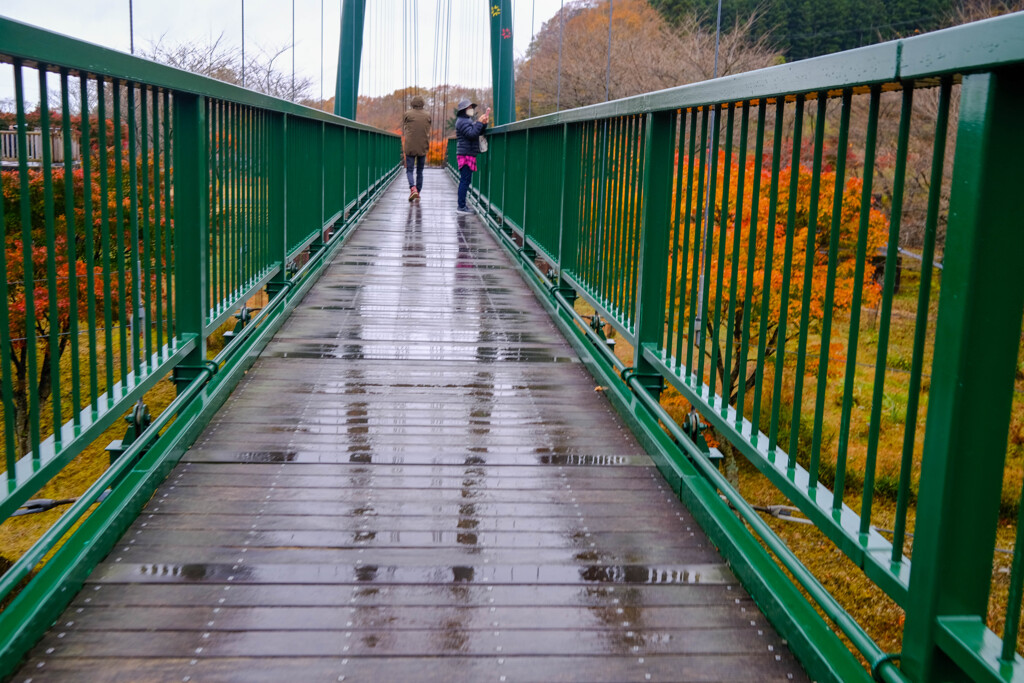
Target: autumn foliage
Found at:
737, 239
65, 258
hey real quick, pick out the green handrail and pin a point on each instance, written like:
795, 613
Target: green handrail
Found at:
776, 309
192, 196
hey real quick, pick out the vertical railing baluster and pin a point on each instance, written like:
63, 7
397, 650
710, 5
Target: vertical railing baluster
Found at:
586, 204
31, 379
71, 248
234, 217
766, 286
170, 144
805, 302
748, 296
698, 224
686, 275
888, 287
146, 263
830, 284
737, 232
639, 190
122, 276
158, 232
855, 301
85, 147
614, 244
133, 248
921, 322
107, 265
6, 364
784, 293
215, 264
678, 124
723, 231
53, 306
707, 245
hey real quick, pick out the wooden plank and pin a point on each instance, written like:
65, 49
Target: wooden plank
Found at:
444, 639
756, 668
477, 618
398, 595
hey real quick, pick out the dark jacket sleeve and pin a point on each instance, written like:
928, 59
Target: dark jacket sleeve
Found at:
468, 133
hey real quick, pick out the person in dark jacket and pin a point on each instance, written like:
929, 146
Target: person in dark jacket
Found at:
467, 133
416, 131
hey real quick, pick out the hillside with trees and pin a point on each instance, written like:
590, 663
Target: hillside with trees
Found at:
565, 64
802, 29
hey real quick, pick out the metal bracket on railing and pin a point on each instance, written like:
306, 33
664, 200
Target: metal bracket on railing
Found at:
275, 287
184, 374
651, 382
244, 316
138, 420
527, 252
560, 287
597, 325
695, 428
876, 666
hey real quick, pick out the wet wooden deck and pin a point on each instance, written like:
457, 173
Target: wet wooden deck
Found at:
417, 481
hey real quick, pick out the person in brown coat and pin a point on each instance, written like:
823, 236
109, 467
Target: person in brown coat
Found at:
416, 131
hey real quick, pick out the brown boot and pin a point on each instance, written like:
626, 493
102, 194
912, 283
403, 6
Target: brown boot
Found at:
413, 194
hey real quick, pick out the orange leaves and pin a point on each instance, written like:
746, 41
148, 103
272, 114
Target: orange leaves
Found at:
44, 317
822, 225
437, 152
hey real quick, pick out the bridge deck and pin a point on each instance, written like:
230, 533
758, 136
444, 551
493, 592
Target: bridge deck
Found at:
416, 481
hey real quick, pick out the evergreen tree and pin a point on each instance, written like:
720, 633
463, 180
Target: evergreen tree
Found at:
807, 28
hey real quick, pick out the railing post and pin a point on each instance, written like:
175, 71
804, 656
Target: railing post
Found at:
191, 230
278, 202
654, 232
977, 338
569, 209
528, 251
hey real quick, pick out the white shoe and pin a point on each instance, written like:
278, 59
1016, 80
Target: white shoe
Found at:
464, 212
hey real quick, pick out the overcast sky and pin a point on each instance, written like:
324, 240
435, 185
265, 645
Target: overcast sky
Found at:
268, 26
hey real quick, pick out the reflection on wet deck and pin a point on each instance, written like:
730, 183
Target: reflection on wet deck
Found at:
416, 481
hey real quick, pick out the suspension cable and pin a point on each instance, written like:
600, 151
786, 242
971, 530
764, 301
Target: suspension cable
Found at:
416, 44
608, 68
533, 17
321, 53
561, 26
447, 56
243, 43
405, 55
433, 73
293, 51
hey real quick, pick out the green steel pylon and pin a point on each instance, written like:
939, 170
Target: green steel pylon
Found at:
350, 50
502, 62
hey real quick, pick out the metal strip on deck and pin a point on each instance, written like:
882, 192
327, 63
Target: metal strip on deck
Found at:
416, 481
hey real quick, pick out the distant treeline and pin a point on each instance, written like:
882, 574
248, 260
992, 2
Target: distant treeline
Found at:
807, 28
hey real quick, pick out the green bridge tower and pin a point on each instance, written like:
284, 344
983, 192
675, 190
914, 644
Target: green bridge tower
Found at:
350, 50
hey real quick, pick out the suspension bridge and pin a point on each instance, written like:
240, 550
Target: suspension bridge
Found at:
523, 444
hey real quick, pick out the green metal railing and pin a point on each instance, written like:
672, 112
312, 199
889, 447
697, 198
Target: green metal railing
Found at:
191, 198
744, 237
